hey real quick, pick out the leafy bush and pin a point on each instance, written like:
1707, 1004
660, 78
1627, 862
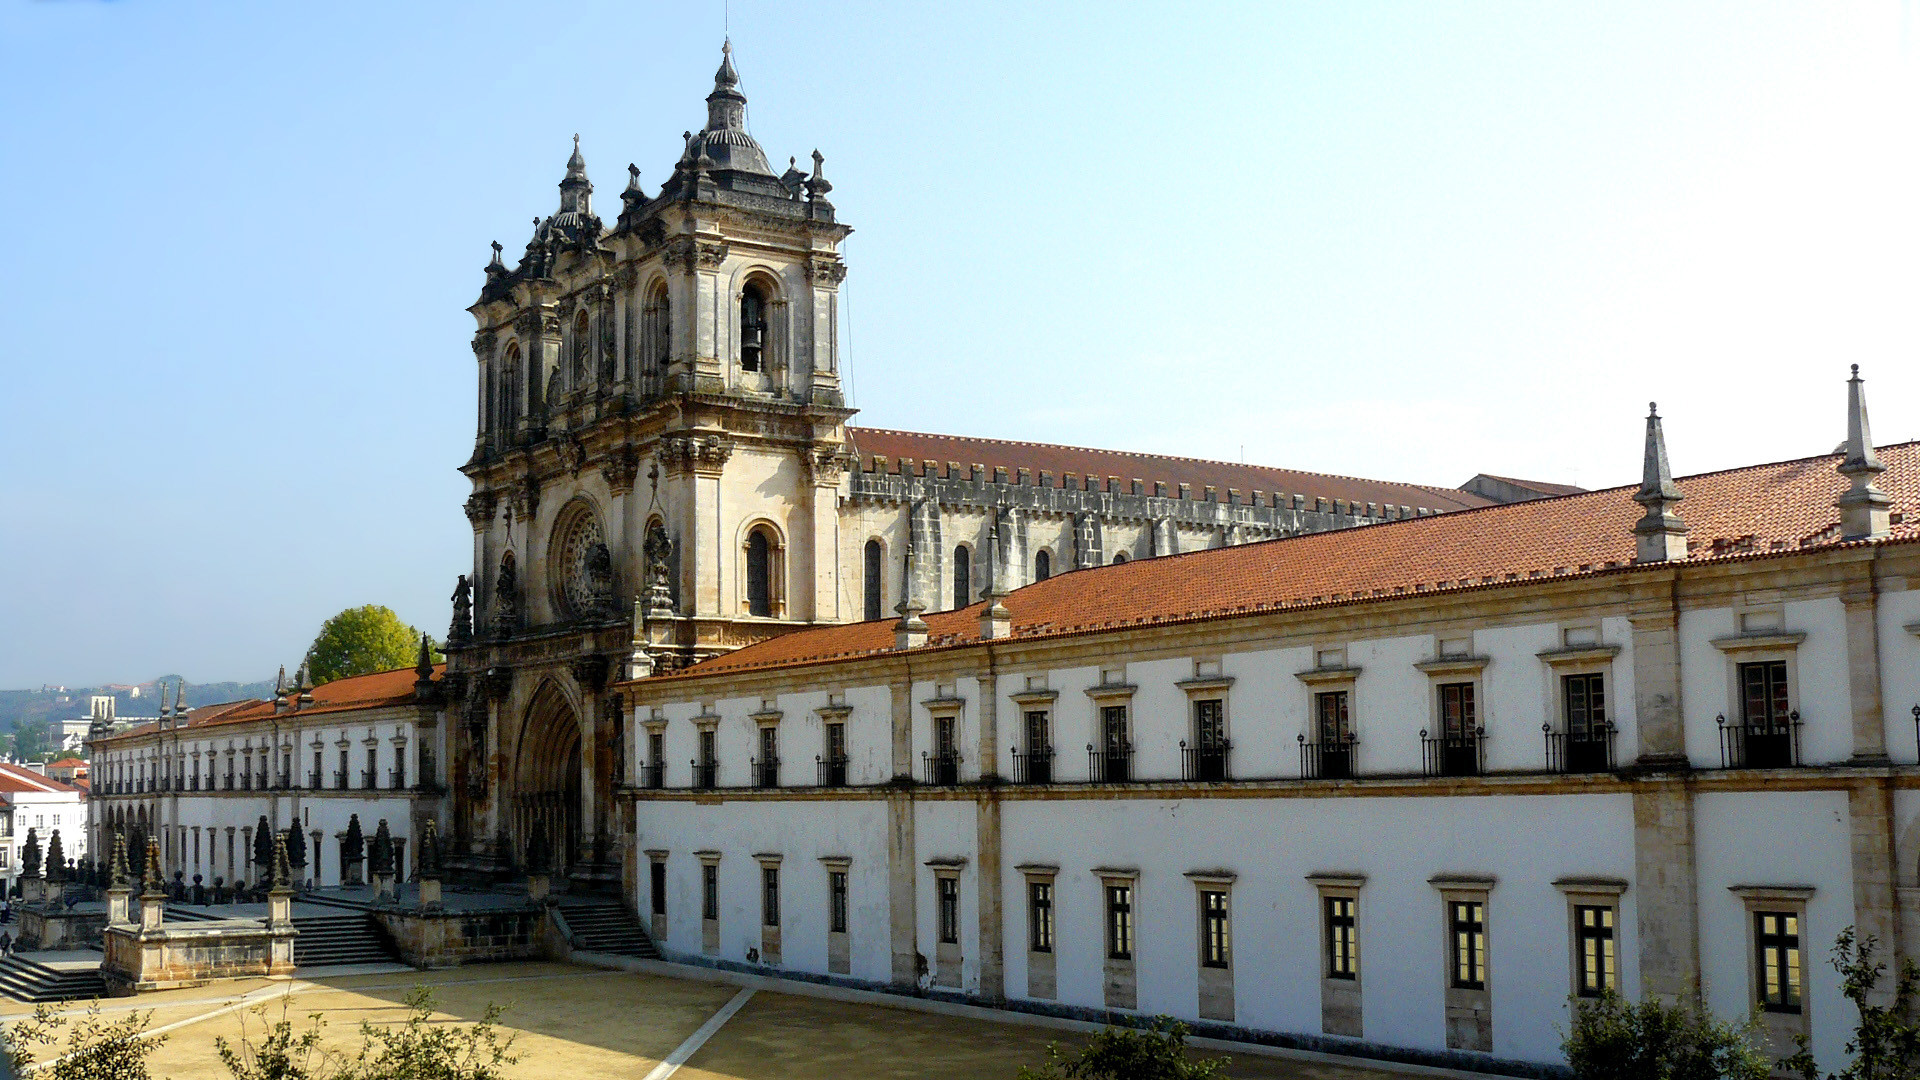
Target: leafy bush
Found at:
360, 641
1615, 1039
1886, 1044
281, 1054
1155, 1052
96, 1049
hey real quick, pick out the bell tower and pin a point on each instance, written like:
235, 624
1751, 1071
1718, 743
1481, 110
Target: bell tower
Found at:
661, 438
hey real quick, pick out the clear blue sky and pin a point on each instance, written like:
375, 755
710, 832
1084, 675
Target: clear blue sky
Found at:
1414, 241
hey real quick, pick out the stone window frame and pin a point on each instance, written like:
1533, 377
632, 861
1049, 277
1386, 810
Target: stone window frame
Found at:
654, 724
946, 704
1208, 685
1591, 892
949, 956
1443, 670
1119, 975
1216, 981
657, 906
706, 720
709, 925
764, 718
777, 551
835, 712
1564, 660
1105, 696
1781, 1027
1468, 1012
839, 942
1321, 679
1046, 701
1042, 971
1761, 647
769, 862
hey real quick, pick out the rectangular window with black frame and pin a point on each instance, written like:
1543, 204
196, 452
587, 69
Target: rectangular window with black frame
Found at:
1329, 755
1767, 735
706, 768
1586, 746
709, 892
1119, 922
1112, 759
1343, 955
1776, 939
1467, 921
1216, 949
1455, 750
833, 766
657, 882
1033, 757
949, 890
1040, 916
943, 764
770, 896
837, 901
1594, 948
766, 768
656, 767
1206, 757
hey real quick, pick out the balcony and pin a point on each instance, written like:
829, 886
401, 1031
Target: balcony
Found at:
340, 779
1589, 751
832, 770
706, 775
1113, 765
1327, 760
246, 782
397, 779
1033, 768
654, 776
1462, 753
1771, 743
1207, 762
313, 780
940, 770
766, 773
228, 786
368, 780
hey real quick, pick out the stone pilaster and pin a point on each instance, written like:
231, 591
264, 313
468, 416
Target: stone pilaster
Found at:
1860, 597
1870, 825
1656, 672
1667, 894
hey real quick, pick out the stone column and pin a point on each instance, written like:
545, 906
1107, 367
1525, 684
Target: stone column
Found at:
1870, 820
1654, 614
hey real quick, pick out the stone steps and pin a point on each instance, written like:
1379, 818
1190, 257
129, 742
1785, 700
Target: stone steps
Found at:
608, 927
26, 980
327, 940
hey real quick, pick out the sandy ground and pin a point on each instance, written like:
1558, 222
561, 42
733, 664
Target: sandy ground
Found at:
574, 1023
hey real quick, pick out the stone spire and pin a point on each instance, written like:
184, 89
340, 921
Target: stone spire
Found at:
1864, 508
280, 689
726, 106
1660, 535
306, 682
911, 631
423, 671
117, 870
152, 886
576, 190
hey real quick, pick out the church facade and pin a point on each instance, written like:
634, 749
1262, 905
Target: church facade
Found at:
663, 453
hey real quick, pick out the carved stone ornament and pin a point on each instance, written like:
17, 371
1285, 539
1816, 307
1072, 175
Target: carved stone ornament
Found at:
573, 455
591, 672
526, 498
626, 277
827, 464
480, 508
620, 471
586, 567
506, 597
829, 271
678, 254
462, 629
712, 255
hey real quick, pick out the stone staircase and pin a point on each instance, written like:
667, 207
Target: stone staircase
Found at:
26, 979
606, 926
347, 938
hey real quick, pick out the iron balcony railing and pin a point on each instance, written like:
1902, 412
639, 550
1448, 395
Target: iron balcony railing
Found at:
340, 779
397, 778
706, 774
1113, 765
313, 780
1328, 759
832, 770
228, 786
654, 775
1460, 753
766, 773
941, 769
1589, 751
1033, 768
368, 780
1208, 761
1770, 743
246, 781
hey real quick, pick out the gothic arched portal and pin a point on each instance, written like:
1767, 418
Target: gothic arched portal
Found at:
546, 779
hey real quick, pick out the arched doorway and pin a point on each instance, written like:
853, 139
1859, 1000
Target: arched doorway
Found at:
546, 780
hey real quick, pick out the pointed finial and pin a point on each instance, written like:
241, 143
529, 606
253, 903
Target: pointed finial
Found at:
1865, 510
817, 185
495, 265
633, 177
1660, 535
424, 668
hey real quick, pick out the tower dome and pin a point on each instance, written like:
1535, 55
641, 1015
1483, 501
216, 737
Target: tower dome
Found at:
724, 142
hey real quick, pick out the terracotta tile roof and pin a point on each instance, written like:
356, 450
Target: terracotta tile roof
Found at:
67, 763
20, 780
1150, 468
1777, 508
380, 689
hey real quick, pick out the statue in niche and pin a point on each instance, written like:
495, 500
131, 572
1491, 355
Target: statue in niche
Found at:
506, 597
553, 390
599, 578
658, 548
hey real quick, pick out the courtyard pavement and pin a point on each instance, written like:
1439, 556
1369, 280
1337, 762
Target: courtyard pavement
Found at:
575, 1023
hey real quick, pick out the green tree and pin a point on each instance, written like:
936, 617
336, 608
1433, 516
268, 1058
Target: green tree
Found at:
95, 1049
419, 1048
363, 640
1886, 1044
1157, 1051
1614, 1039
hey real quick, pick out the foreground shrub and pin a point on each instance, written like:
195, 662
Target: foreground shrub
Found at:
1615, 1039
96, 1049
1155, 1052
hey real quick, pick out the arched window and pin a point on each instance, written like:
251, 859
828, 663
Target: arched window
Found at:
510, 393
962, 577
876, 561
1119, 557
659, 331
1042, 565
753, 327
759, 575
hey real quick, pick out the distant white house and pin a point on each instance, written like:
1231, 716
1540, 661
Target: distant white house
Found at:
30, 801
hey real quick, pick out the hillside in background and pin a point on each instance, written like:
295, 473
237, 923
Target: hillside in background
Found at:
34, 708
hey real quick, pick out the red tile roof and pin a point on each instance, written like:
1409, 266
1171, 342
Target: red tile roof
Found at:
19, 780
67, 763
1150, 468
1777, 508
380, 689
1541, 486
